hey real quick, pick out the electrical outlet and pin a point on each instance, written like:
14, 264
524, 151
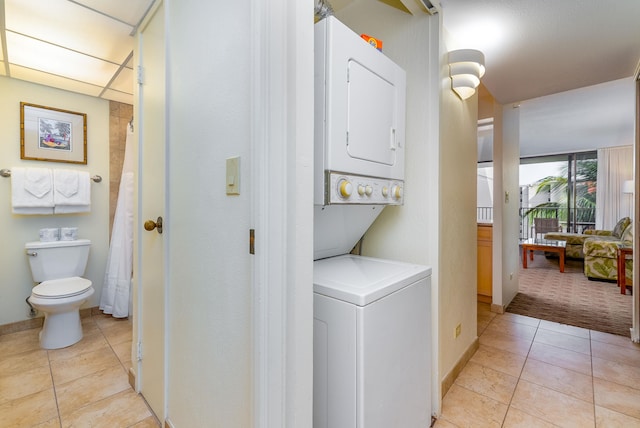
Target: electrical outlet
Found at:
457, 331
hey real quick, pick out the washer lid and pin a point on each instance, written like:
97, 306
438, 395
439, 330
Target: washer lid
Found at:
63, 287
362, 280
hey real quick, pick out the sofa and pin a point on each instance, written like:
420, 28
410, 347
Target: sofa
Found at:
601, 255
575, 241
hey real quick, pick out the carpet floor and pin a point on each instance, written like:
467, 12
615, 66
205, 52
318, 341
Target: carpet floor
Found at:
570, 298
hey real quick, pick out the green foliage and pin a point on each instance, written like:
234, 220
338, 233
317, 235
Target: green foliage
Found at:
558, 188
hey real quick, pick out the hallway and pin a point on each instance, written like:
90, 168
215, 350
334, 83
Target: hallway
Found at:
83, 385
535, 373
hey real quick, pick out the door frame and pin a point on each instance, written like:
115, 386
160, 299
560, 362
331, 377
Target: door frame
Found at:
282, 174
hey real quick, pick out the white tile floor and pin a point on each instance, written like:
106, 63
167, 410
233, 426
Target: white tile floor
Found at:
534, 373
526, 373
84, 385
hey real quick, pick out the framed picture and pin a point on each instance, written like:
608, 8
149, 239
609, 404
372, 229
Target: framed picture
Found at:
52, 134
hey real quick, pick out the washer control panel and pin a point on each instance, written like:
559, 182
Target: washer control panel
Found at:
357, 189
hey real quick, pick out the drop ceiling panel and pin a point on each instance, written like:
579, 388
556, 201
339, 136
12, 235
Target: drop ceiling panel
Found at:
34, 54
120, 97
64, 23
42, 78
124, 81
125, 10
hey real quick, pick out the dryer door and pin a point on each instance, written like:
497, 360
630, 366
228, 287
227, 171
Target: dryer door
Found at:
360, 107
371, 116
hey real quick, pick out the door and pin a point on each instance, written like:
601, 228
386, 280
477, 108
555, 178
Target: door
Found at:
151, 205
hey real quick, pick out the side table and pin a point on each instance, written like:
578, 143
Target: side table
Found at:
623, 252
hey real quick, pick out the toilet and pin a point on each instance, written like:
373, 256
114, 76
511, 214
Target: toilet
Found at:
57, 267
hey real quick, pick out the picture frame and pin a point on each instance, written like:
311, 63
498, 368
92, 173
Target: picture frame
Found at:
52, 134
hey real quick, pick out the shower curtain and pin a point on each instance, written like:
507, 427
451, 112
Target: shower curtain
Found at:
116, 289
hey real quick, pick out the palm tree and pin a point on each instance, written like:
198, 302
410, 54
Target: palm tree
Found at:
558, 189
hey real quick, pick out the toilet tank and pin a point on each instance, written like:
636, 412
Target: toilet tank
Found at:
57, 259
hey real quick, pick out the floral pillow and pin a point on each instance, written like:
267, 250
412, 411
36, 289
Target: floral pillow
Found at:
621, 226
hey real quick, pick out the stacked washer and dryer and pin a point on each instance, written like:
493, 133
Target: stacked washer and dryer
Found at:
372, 317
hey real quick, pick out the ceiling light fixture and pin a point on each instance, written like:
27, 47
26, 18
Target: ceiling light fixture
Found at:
466, 67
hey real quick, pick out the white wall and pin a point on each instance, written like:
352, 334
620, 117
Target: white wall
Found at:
506, 230
239, 92
511, 219
210, 331
458, 225
15, 276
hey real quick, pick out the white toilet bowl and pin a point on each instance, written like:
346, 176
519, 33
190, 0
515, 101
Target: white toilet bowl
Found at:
60, 301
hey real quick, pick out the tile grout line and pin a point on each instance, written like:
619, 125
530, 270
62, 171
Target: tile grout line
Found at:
55, 394
593, 383
526, 358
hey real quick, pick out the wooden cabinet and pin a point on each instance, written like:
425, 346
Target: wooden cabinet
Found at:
485, 262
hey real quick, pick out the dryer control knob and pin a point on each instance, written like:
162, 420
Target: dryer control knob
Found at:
345, 188
396, 192
361, 189
385, 191
368, 190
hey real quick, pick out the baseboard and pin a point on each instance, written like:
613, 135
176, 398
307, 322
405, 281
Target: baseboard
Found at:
36, 322
132, 378
17, 326
450, 377
498, 309
484, 299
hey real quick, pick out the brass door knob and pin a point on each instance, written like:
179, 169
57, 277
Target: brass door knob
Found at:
150, 225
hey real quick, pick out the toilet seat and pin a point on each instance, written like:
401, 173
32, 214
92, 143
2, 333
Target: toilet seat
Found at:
59, 288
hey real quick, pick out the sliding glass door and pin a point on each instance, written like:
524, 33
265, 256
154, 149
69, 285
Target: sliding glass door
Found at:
560, 186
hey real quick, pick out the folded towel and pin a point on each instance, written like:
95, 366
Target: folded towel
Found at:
31, 190
72, 191
66, 184
33, 210
70, 209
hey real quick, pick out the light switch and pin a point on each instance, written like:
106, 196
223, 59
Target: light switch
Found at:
233, 176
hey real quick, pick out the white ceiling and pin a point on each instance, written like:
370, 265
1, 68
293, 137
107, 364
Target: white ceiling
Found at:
542, 47
83, 46
566, 64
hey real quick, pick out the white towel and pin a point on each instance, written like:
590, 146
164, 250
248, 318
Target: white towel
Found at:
31, 191
72, 191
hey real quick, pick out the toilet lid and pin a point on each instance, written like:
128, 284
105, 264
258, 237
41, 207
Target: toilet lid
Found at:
64, 287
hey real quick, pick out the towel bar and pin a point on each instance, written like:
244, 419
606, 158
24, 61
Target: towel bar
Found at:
4, 172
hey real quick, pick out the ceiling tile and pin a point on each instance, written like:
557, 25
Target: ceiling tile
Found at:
34, 54
36, 76
124, 81
120, 97
128, 11
64, 23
